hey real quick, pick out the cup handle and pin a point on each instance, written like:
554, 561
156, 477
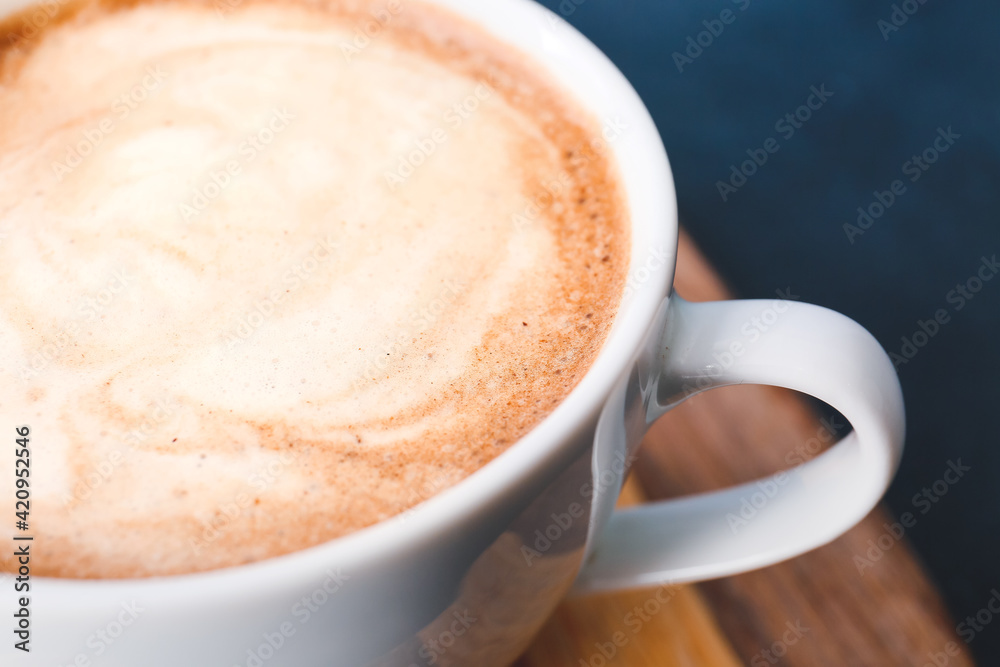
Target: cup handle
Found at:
806, 348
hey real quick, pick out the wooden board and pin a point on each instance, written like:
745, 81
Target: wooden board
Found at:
815, 610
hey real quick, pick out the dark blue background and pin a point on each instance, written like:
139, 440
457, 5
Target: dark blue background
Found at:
784, 227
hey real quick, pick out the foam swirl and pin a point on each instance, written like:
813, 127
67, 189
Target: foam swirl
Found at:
258, 289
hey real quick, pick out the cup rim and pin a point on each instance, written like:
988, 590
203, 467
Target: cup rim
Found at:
598, 86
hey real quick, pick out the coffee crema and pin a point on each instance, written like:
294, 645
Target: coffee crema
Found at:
272, 272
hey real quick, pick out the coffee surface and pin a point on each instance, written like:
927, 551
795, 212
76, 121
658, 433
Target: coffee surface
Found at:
274, 272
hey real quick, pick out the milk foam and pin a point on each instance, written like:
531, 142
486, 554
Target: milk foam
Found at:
261, 288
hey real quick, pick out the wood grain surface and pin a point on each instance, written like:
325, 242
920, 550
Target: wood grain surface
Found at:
826, 608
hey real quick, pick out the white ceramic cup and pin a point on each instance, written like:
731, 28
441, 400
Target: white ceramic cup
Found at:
470, 575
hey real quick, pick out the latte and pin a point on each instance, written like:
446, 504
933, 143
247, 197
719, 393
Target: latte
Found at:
272, 272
